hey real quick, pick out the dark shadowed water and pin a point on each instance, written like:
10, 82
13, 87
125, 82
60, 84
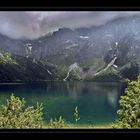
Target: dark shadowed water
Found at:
97, 102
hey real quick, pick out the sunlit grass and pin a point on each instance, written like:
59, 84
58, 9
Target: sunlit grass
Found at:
84, 126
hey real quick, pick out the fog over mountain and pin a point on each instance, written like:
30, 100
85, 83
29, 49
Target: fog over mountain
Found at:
105, 44
32, 25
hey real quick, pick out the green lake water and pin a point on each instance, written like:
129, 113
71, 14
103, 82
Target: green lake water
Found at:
97, 102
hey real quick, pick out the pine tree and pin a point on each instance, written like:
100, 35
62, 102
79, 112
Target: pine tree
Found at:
129, 114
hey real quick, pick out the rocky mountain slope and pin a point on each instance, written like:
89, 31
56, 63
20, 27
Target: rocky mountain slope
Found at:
22, 69
91, 48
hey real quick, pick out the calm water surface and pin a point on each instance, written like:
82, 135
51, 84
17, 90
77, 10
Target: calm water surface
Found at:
97, 102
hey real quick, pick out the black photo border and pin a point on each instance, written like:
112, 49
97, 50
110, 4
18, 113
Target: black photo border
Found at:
57, 132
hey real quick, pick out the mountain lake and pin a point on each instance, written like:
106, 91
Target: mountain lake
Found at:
97, 102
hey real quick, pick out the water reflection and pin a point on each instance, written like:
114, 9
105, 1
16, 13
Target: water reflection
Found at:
97, 102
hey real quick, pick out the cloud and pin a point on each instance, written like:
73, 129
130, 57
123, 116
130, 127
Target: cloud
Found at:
35, 23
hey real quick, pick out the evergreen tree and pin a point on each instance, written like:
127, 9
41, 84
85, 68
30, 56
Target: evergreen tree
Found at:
129, 114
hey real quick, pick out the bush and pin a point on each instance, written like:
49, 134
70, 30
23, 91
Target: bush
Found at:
14, 115
129, 114
57, 123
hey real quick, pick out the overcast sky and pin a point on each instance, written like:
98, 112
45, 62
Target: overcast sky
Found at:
35, 24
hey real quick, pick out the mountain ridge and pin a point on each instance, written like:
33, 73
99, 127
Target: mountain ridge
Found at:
91, 48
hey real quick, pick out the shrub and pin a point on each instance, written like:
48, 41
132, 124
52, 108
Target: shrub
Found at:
14, 115
57, 123
129, 114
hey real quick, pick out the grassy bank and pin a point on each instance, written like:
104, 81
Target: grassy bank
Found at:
84, 126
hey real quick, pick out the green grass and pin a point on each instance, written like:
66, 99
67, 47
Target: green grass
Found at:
85, 126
